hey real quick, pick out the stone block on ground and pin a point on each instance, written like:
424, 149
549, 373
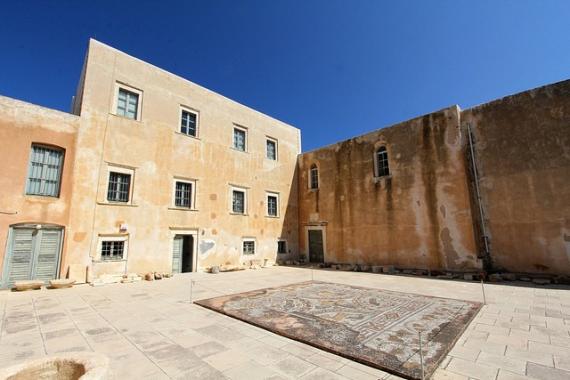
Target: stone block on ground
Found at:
149, 276
388, 269
509, 276
495, 277
376, 269
61, 283
541, 281
28, 285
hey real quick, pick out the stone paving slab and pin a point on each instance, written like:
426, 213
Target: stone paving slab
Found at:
374, 327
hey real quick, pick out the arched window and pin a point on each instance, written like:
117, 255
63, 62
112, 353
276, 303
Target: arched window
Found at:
381, 162
314, 177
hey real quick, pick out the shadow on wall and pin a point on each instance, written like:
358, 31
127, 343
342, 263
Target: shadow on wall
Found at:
289, 232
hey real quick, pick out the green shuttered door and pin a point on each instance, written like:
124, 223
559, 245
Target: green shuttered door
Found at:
33, 255
177, 254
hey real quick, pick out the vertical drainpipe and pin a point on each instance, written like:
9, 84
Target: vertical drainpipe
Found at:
487, 257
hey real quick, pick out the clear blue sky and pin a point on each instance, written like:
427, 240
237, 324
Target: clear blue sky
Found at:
335, 69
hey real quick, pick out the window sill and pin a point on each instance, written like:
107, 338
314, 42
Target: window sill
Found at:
125, 118
313, 190
182, 208
272, 216
110, 261
117, 204
238, 150
190, 136
48, 198
381, 179
239, 214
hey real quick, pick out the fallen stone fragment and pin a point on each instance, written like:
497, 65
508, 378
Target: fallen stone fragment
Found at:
28, 285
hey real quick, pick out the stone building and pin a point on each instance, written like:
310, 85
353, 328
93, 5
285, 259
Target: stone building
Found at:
484, 188
150, 172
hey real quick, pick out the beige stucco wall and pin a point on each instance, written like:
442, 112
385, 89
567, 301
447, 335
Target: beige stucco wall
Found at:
522, 147
22, 124
157, 153
419, 217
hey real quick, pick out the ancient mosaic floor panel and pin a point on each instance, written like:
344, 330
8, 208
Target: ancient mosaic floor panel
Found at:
374, 327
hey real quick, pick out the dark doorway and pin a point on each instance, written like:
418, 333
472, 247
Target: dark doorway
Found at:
316, 251
183, 254
187, 256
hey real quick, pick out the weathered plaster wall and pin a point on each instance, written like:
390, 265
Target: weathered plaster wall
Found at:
158, 153
22, 124
419, 217
523, 155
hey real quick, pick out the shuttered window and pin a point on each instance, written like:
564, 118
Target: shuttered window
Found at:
249, 247
127, 104
183, 194
119, 187
112, 250
239, 139
44, 172
188, 123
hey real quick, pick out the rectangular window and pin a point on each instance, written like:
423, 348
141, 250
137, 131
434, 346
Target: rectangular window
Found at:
238, 201
188, 123
112, 250
183, 194
128, 104
119, 187
272, 204
249, 247
44, 172
240, 136
271, 150
281, 246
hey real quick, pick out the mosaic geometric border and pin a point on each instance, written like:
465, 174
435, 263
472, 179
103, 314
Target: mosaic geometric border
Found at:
374, 327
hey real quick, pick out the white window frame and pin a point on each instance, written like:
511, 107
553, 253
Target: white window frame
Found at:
286, 247
118, 86
276, 142
310, 181
192, 182
193, 111
122, 170
245, 203
246, 142
102, 238
249, 240
376, 167
276, 195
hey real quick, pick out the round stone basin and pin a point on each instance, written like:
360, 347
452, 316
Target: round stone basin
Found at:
78, 366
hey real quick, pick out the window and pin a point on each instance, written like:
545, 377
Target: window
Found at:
240, 137
183, 194
271, 151
112, 250
281, 246
272, 204
238, 201
119, 187
128, 104
44, 171
188, 122
249, 247
381, 162
314, 177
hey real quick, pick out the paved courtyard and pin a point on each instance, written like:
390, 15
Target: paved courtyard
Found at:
150, 330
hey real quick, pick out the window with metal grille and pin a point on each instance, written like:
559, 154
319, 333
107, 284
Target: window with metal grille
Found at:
249, 247
112, 250
44, 172
281, 246
272, 205
188, 123
119, 187
314, 177
238, 201
127, 104
183, 194
239, 139
271, 149
382, 168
